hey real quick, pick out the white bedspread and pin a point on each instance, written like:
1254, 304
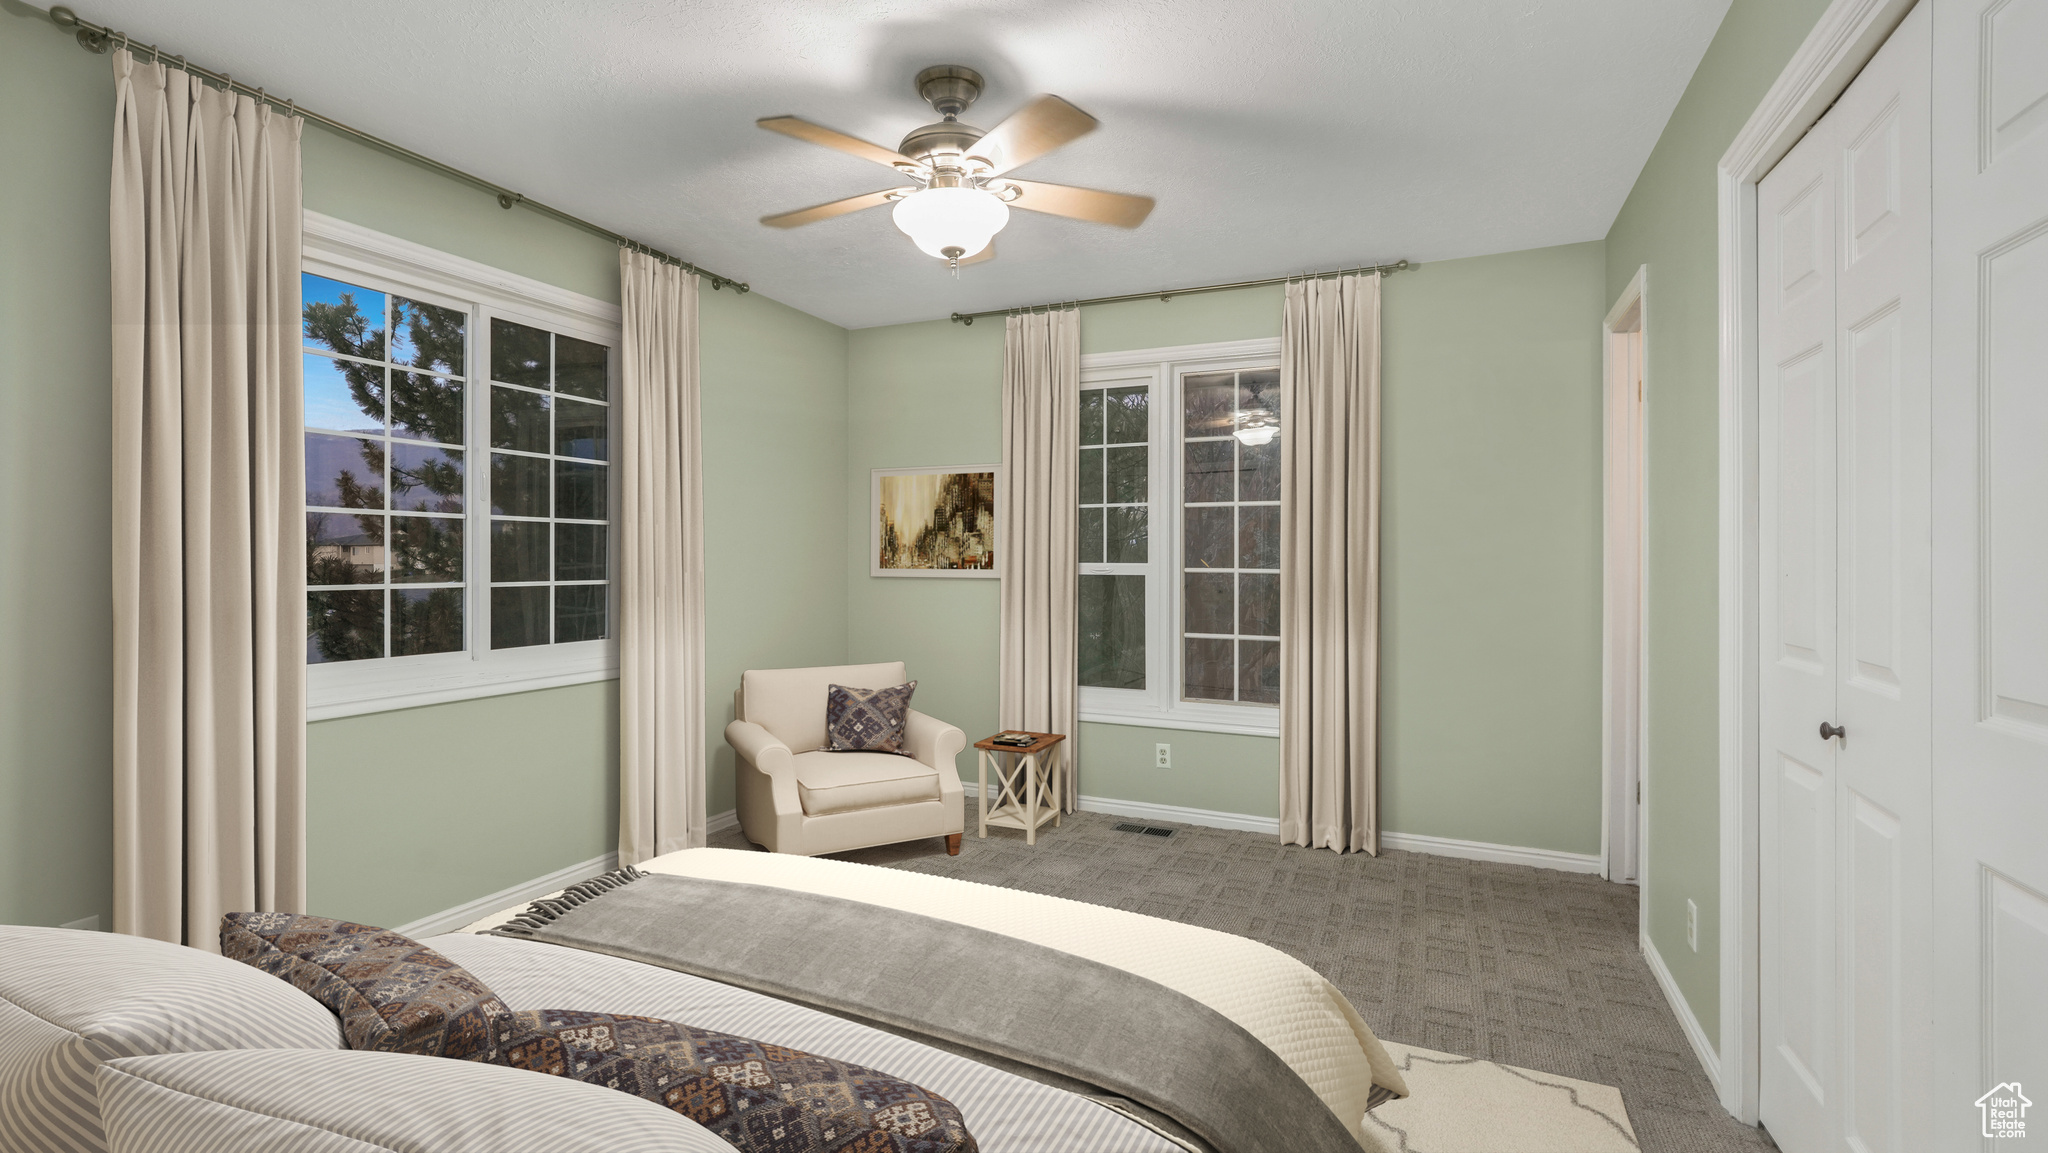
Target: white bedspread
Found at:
1288, 1006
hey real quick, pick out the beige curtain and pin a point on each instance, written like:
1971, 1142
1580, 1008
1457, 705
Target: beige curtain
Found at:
209, 578
661, 563
1038, 529
1330, 564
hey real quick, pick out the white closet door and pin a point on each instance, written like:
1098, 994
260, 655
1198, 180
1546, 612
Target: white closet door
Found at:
1845, 831
1991, 574
1796, 643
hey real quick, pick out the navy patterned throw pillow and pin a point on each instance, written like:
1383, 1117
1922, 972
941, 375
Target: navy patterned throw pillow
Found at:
867, 720
762, 1098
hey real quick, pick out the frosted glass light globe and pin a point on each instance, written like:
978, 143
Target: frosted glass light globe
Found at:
940, 218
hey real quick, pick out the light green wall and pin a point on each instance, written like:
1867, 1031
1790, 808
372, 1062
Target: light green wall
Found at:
1490, 550
419, 810
56, 560
1490, 722
414, 811
774, 411
1669, 223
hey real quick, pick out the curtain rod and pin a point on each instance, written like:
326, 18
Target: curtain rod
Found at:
1169, 294
99, 39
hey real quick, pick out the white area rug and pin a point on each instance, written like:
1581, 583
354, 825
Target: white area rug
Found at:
1465, 1105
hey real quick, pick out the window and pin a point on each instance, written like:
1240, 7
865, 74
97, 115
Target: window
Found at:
458, 477
550, 425
1230, 501
384, 473
1116, 502
1180, 537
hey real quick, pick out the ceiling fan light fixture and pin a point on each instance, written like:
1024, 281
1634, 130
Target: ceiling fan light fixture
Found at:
950, 223
1254, 435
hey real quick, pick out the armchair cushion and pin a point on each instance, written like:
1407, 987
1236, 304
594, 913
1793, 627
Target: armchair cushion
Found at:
866, 720
843, 782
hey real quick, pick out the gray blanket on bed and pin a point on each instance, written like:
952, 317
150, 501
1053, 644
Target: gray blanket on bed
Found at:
1077, 1023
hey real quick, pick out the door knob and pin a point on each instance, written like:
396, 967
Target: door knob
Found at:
1829, 732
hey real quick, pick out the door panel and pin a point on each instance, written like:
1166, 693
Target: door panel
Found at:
1806, 956
1874, 960
1872, 529
1884, 694
1796, 537
1804, 507
1845, 533
2015, 618
1990, 421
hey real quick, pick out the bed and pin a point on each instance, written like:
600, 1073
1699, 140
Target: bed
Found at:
1014, 1100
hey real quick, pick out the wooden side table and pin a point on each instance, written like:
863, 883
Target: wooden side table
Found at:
1029, 779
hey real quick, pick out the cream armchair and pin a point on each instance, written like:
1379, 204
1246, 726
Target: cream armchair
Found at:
795, 799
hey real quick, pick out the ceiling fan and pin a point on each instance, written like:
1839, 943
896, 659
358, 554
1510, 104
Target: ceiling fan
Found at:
961, 197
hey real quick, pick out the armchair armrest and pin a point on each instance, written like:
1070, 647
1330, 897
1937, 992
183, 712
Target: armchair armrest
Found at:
758, 747
932, 741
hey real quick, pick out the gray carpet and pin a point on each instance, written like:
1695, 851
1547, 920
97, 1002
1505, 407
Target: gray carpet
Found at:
1524, 966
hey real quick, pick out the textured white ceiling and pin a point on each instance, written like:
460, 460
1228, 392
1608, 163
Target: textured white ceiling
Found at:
1277, 137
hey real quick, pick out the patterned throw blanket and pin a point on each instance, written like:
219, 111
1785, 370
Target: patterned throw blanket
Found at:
1162, 1056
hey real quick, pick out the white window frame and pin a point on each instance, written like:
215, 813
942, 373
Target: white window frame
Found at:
1158, 704
348, 252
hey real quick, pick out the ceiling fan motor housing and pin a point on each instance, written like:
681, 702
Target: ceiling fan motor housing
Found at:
950, 89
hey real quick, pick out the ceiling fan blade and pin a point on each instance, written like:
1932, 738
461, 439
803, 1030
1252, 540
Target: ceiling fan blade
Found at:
819, 212
988, 253
1116, 208
1031, 132
819, 134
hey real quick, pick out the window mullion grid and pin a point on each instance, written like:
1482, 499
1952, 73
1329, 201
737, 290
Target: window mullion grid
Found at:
554, 414
390, 494
477, 419
1163, 592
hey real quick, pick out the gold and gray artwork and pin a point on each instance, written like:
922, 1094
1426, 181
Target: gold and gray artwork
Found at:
937, 521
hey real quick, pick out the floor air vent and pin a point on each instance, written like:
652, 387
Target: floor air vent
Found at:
1148, 830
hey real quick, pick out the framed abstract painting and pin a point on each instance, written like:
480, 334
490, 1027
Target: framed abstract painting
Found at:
934, 522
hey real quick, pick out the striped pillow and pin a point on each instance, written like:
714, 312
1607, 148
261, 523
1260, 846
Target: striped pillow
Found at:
392, 993
70, 1000
356, 1102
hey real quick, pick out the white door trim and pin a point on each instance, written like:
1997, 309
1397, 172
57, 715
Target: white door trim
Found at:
1848, 34
1622, 830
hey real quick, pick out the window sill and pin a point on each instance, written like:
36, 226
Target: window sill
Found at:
1242, 720
339, 690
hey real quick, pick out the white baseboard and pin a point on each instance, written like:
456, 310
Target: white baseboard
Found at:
1485, 851
1405, 842
1208, 818
448, 920
1701, 1047
720, 822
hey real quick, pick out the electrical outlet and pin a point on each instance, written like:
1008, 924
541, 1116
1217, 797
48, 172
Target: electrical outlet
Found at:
1162, 756
89, 924
1692, 925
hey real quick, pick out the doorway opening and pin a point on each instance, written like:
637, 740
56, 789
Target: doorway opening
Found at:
1623, 637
